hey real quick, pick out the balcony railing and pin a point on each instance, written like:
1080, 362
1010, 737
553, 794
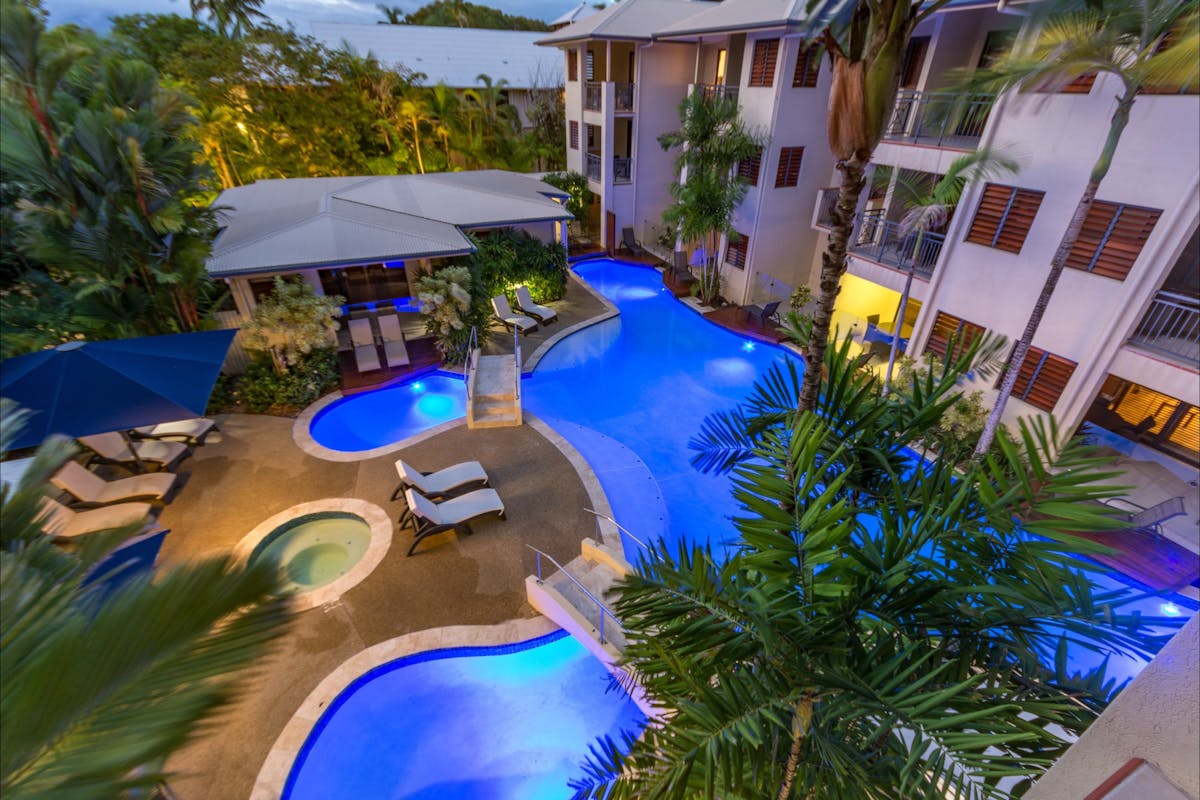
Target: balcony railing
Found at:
826, 201
623, 97
943, 119
714, 90
1171, 327
622, 170
593, 166
591, 96
881, 240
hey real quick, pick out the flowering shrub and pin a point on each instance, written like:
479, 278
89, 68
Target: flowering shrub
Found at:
292, 322
446, 306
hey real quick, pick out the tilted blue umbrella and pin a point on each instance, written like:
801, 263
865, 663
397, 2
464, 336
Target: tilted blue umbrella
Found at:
81, 388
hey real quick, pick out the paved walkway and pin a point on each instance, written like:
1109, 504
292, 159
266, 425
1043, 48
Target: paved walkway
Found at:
253, 470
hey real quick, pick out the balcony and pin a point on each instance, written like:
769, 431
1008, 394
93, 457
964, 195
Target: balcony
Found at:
939, 119
714, 90
593, 166
1171, 328
623, 98
591, 96
881, 240
622, 170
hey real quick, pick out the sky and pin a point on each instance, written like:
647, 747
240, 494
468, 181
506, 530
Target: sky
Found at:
94, 14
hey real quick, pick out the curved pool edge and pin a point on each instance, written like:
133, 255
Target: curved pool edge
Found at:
610, 311
377, 520
273, 775
302, 427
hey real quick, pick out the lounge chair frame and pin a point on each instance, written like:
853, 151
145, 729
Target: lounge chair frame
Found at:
424, 527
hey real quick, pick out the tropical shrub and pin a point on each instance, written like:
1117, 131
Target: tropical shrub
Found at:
575, 185
291, 322
449, 308
508, 258
262, 389
957, 431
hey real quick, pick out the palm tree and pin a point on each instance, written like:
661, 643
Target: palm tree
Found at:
98, 689
392, 15
866, 42
495, 124
415, 113
232, 18
1140, 44
712, 139
445, 116
880, 631
930, 211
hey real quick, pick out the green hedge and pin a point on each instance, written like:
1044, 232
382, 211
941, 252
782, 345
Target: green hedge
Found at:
508, 258
260, 389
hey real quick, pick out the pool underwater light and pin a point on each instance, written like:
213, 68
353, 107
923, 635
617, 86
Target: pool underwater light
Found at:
418, 387
1170, 609
748, 346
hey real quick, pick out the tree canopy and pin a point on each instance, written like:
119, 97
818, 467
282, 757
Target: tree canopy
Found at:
460, 14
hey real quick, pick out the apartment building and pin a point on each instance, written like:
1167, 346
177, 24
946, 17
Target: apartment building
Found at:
1119, 346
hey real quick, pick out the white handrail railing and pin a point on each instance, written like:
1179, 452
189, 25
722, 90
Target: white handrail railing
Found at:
604, 610
469, 361
620, 527
517, 363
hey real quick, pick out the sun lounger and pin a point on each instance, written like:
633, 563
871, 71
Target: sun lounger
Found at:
394, 351
763, 313
366, 354
189, 431
1150, 519
629, 243
503, 312
92, 490
454, 514
62, 523
526, 304
113, 448
443, 483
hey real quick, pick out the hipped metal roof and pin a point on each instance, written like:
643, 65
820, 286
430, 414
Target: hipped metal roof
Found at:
454, 56
301, 223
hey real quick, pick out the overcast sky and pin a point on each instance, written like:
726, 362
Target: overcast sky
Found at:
95, 13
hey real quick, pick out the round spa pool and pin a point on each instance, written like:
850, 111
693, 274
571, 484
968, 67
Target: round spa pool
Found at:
315, 549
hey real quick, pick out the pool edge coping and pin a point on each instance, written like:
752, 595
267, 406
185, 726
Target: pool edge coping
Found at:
273, 774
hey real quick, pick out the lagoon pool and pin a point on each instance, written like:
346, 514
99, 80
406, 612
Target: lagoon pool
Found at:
511, 723
373, 419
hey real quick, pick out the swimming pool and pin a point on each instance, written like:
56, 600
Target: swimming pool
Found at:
371, 419
514, 723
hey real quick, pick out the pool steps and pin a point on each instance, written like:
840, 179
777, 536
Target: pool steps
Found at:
492, 388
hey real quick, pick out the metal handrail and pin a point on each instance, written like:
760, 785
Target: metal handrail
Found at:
623, 96
517, 363
604, 610
1171, 326
620, 527
938, 116
469, 361
591, 95
622, 170
593, 166
716, 90
885, 241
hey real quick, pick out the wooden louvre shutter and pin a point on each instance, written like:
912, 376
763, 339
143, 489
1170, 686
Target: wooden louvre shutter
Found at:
1042, 378
1081, 85
735, 252
946, 326
574, 135
788, 173
762, 66
572, 65
808, 67
748, 168
1004, 216
1112, 238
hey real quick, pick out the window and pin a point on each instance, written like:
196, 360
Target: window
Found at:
947, 326
589, 66
748, 168
591, 136
735, 251
572, 65
1042, 378
722, 63
914, 60
762, 68
788, 173
574, 135
1004, 217
808, 66
1081, 85
1113, 235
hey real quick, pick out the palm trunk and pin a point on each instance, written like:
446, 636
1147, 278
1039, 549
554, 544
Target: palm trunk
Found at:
417, 144
833, 266
899, 323
801, 718
1119, 120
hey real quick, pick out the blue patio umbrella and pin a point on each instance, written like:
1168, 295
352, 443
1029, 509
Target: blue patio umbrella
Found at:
81, 388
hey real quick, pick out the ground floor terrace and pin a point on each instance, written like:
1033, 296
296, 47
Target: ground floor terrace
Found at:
256, 468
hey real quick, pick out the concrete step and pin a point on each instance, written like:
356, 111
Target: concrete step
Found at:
495, 377
597, 579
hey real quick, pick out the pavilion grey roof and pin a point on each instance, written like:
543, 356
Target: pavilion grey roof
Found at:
455, 56
736, 15
301, 223
574, 15
628, 19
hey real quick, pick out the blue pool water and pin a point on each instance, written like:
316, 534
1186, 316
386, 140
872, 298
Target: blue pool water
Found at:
372, 419
512, 723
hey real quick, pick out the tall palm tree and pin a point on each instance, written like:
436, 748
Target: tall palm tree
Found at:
495, 123
712, 138
931, 210
866, 43
392, 15
97, 689
446, 117
1140, 44
880, 631
232, 18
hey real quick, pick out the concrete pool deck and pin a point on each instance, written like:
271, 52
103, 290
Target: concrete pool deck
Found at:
254, 470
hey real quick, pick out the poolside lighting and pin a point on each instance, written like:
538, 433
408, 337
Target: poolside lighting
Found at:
748, 347
1170, 609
